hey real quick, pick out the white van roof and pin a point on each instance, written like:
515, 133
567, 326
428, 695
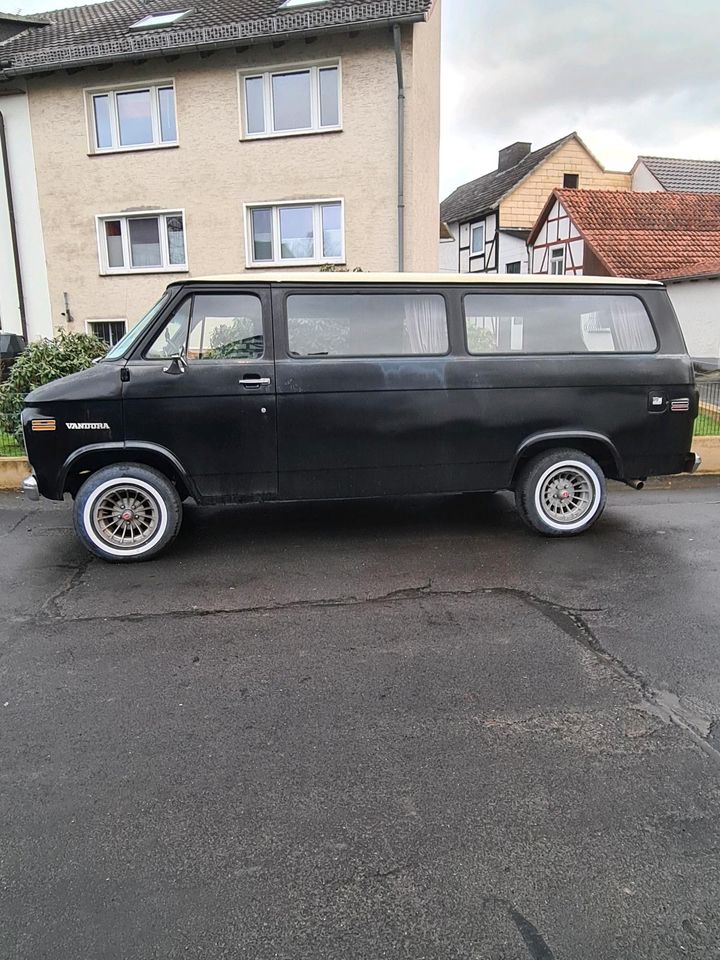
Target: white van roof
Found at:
282, 276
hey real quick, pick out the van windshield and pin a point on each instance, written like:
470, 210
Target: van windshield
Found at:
134, 334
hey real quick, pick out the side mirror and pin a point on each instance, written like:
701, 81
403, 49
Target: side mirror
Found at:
177, 365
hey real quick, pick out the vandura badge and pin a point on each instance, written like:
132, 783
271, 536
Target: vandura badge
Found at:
88, 426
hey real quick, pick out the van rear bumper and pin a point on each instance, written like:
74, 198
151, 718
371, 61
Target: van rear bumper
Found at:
692, 463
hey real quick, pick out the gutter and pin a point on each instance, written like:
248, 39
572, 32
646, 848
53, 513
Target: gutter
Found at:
13, 228
28, 68
397, 41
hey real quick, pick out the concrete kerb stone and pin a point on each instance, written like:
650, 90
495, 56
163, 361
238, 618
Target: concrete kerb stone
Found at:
13, 471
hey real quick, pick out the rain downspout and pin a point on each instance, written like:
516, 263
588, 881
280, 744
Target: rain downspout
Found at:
400, 147
13, 228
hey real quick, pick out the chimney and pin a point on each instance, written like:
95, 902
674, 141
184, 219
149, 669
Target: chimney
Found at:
513, 154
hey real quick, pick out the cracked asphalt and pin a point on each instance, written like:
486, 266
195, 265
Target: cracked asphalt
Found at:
402, 729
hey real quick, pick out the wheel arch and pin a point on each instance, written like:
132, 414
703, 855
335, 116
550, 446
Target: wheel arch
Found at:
595, 445
87, 460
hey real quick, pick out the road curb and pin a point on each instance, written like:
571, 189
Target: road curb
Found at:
13, 471
709, 449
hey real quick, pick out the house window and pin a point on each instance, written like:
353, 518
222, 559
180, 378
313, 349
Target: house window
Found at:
557, 260
147, 243
133, 118
111, 331
571, 180
295, 233
477, 239
278, 103
513, 267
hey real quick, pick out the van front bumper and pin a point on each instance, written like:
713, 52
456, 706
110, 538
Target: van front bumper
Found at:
692, 463
30, 488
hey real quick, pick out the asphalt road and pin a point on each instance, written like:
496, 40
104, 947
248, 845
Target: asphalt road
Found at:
363, 731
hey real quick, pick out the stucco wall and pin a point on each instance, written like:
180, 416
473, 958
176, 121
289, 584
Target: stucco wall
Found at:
213, 172
449, 251
523, 206
29, 229
697, 304
423, 145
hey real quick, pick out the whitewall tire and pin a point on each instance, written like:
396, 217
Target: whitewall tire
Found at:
127, 512
561, 493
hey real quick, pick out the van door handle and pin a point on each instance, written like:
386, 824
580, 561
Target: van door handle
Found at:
250, 380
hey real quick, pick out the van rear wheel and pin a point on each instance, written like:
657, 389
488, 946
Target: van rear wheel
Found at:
127, 512
561, 493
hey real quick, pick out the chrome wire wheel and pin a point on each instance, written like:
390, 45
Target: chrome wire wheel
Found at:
126, 516
567, 494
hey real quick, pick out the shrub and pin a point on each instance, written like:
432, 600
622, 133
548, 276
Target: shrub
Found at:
43, 362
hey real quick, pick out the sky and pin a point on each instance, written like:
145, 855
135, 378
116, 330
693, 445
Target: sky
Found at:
631, 76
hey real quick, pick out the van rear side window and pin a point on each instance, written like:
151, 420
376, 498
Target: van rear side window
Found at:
538, 323
366, 325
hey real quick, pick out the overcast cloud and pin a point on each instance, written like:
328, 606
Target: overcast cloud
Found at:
631, 76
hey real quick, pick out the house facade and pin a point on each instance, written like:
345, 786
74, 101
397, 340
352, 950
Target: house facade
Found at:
652, 235
489, 219
168, 142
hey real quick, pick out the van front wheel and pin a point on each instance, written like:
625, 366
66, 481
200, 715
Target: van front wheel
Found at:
561, 493
127, 512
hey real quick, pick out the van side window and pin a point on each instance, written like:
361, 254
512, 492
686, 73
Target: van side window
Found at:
366, 325
226, 327
216, 326
173, 337
541, 323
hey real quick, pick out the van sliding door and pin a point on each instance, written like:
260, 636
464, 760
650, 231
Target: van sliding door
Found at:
363, 404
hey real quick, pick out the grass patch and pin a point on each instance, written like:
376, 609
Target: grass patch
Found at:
9, 447
707, 424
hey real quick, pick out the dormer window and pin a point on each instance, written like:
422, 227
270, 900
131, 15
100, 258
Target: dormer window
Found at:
158, 20
301, 3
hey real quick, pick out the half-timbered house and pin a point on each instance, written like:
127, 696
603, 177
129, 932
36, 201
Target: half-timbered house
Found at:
488, 220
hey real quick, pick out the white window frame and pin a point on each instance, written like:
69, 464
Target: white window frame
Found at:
167, 267
89, 324
555, 260
289, 262
112, 92
267, 73
473, 229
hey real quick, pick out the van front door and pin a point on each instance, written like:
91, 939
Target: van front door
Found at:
213, 405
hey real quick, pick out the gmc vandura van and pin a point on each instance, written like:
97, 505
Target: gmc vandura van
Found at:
321, 385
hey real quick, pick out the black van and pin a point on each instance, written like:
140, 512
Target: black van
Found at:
318, 386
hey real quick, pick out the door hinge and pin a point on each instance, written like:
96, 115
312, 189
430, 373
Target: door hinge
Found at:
125, 375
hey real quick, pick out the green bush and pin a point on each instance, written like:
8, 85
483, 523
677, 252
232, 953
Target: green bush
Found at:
43, 362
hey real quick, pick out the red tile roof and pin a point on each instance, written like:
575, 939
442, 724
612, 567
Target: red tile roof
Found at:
702, 268
652, 236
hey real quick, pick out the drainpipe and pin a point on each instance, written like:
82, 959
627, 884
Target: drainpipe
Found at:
400, 147
13, 228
